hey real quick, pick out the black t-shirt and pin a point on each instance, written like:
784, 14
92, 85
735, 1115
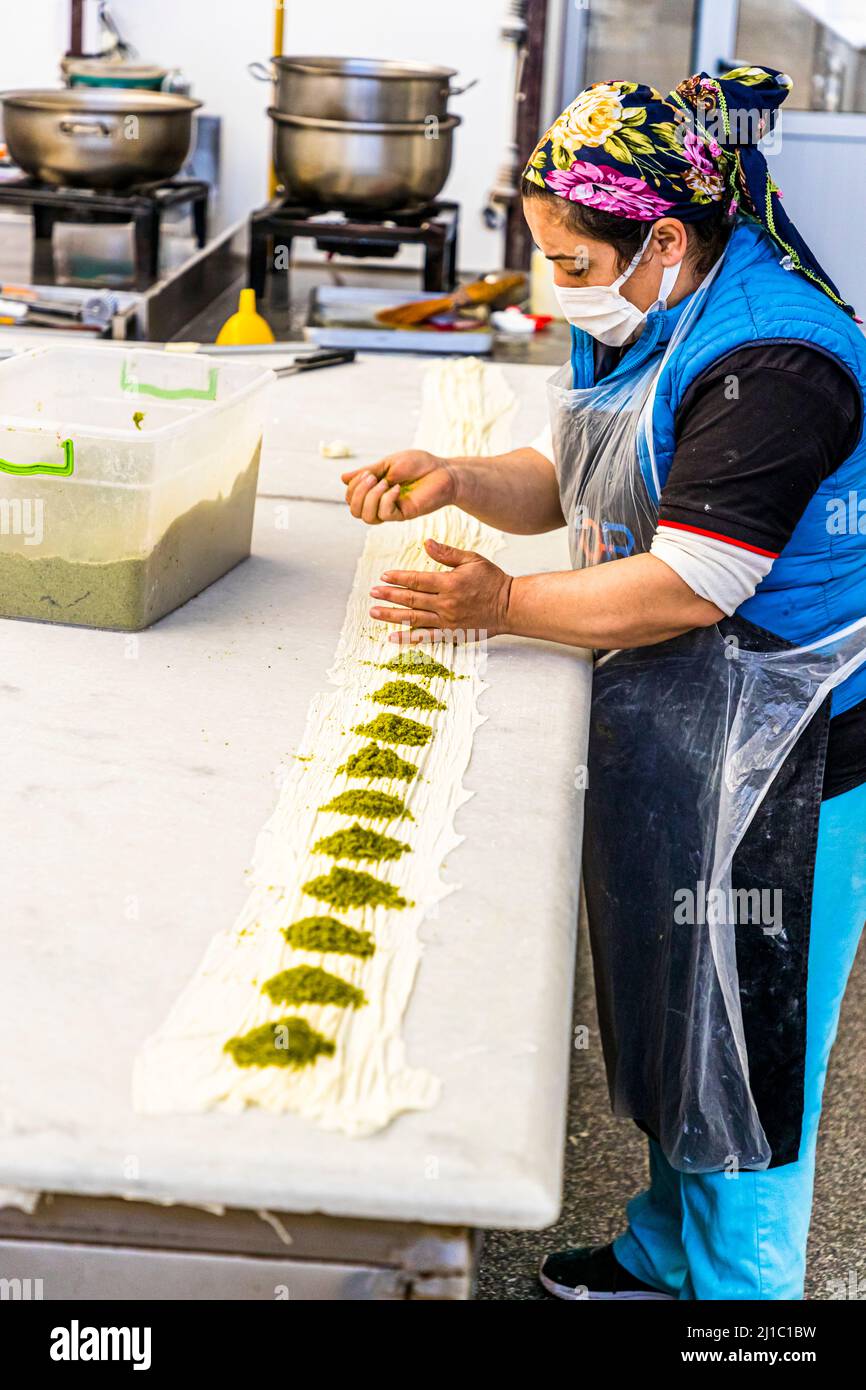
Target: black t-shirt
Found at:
755, 436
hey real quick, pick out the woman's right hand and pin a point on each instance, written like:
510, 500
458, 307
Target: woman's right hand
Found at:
400, 487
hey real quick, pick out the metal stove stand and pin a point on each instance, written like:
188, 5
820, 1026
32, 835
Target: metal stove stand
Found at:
435, 227
143, 206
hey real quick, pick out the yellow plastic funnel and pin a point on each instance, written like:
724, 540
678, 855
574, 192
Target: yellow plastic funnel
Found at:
246, 326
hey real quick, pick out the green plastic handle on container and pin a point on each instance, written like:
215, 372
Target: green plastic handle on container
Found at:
180, 393
54, 470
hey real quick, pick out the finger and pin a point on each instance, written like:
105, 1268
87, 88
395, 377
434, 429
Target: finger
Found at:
403, 597
419, 581
377, 469
370, 505
362, 475
389, 505
357, 492
412, 617
352, 489
449, 554
415, 637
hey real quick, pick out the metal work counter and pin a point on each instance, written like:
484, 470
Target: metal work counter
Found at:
137, 772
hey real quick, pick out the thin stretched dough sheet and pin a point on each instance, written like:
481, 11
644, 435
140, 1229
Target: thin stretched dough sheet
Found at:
466, 409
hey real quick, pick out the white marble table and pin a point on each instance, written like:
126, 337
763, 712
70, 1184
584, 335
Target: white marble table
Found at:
374, 406
136, 774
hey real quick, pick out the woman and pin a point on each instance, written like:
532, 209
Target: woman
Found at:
707, 439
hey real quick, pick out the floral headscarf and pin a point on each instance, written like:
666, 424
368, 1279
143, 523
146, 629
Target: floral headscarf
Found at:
622, 148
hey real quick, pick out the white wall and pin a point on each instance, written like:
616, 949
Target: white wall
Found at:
35, 34
213, 40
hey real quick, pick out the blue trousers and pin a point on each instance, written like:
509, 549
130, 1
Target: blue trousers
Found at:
714, 1236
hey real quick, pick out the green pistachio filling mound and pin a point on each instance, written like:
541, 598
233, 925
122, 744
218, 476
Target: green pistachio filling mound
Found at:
393, 728
290, 1042
351, 888
405, 695
357, 842
310, 984
414, 662
326, 934
369, 805
373, 761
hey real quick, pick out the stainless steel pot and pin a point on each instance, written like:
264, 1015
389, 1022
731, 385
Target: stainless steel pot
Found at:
98, 137
363, 165
358, 89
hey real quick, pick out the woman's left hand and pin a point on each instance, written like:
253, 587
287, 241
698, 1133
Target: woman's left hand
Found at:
471, 596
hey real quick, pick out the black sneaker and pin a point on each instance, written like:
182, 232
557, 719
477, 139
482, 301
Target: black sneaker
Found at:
592, 1272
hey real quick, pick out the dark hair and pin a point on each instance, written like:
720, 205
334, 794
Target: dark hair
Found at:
707, 237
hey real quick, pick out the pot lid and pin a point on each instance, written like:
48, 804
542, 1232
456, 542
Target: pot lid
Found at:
380, 68
119, 100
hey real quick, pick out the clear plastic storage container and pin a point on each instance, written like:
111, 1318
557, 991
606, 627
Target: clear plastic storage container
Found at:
127, 480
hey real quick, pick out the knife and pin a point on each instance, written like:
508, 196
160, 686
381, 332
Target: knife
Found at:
311, 361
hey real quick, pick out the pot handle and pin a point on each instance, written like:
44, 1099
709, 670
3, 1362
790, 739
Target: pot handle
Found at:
262, 72
84, 128
458, 91
169, 80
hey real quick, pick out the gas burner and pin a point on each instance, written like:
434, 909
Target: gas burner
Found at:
143, 206
359, 234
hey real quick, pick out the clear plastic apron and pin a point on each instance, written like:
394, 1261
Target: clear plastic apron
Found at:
709, 718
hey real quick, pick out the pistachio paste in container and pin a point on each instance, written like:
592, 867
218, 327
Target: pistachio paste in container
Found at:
127, 481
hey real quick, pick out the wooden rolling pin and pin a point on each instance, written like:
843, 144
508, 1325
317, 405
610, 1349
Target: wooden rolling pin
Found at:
478, 292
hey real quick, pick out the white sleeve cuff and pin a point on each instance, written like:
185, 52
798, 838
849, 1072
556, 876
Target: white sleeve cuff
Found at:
544, 443
722, 572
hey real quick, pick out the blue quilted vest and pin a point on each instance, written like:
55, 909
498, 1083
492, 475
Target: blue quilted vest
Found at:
818, 583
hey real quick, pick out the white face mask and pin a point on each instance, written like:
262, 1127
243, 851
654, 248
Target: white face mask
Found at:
604, 313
